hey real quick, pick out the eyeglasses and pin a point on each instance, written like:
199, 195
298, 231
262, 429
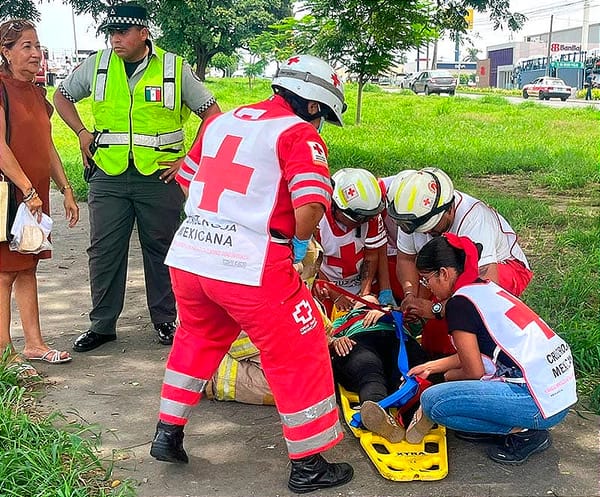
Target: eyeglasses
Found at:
424, 280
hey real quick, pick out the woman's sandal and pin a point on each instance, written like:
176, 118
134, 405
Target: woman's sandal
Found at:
23, 370
52, 356
418, 427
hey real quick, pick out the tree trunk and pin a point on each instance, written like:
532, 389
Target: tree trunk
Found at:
361, 83
201, 64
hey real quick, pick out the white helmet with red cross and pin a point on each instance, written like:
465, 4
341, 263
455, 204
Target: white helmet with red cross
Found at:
417, 200
313, 79
356, 192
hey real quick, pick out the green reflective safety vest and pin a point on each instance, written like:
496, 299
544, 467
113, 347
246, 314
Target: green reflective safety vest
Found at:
145, 125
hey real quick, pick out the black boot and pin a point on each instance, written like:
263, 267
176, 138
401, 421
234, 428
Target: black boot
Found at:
168, 443
313, 472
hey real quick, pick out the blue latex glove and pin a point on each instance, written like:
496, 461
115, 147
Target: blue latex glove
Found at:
386, 297
299, 248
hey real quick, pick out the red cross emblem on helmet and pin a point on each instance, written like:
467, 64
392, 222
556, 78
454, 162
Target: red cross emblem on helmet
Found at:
336, 80
293, 60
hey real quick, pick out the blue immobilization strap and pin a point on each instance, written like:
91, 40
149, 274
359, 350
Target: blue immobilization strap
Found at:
409, 388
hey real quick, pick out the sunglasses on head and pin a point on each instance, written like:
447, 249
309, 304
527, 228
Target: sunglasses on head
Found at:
17, 27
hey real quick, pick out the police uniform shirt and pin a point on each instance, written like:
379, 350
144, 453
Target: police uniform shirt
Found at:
194, 94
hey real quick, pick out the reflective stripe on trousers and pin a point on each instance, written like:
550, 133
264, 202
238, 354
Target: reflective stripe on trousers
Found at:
284, 323
324, 413
179, 394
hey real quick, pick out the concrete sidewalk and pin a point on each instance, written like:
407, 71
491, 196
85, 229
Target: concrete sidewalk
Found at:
236, 449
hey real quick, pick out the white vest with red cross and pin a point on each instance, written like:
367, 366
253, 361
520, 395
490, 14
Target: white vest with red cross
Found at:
343, 252
231, 199
544, 358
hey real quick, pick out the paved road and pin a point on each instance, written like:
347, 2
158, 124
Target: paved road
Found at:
570, 103
557, 103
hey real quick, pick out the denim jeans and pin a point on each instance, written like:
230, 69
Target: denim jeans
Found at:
485, 407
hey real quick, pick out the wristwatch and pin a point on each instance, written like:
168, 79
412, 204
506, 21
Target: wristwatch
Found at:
437, 308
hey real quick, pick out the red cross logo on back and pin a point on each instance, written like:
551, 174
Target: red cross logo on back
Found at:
347, 260
220, 173
522, 316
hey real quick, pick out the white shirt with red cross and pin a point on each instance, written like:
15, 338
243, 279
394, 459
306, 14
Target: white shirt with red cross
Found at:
479, 222
344, 249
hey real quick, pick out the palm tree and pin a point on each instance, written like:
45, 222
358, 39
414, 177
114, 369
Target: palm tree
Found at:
471, 55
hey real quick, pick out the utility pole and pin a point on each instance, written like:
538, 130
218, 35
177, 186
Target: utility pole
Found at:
457, 48
549, 43
585, 27
76, 62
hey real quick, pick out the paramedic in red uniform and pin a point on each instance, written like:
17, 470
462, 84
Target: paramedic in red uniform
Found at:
258, 183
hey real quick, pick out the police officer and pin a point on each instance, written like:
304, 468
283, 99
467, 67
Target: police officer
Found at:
258, 184
141, 97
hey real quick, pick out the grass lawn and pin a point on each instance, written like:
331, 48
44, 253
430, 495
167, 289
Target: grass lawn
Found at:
539, 166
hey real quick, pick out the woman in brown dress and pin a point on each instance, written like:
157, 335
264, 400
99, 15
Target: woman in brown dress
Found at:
29, 160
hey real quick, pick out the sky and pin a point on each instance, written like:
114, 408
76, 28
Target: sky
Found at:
56, 27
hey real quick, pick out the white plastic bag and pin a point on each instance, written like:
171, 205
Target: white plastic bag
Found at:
29, 236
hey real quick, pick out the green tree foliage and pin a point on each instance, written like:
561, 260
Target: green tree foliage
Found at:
367, 36
472, 55
18, 9
200, 29
226, 63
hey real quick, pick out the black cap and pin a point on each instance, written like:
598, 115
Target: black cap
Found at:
124, 16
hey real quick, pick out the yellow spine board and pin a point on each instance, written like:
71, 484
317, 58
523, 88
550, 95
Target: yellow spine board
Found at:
426, 461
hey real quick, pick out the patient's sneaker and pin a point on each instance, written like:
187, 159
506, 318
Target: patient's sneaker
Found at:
418, 427
377, 420
518, 447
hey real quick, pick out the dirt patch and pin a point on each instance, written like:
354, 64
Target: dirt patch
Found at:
587, 199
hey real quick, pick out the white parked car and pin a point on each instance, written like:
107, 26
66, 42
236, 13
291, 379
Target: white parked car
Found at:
546, 88
407, 80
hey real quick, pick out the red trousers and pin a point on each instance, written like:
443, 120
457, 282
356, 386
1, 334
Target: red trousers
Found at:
282, 320
513, 276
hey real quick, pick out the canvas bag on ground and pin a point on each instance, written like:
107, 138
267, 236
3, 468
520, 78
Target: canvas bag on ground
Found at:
29, 236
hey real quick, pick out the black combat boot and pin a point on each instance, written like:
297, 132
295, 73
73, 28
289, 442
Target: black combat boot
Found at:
168, 443
313, 472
